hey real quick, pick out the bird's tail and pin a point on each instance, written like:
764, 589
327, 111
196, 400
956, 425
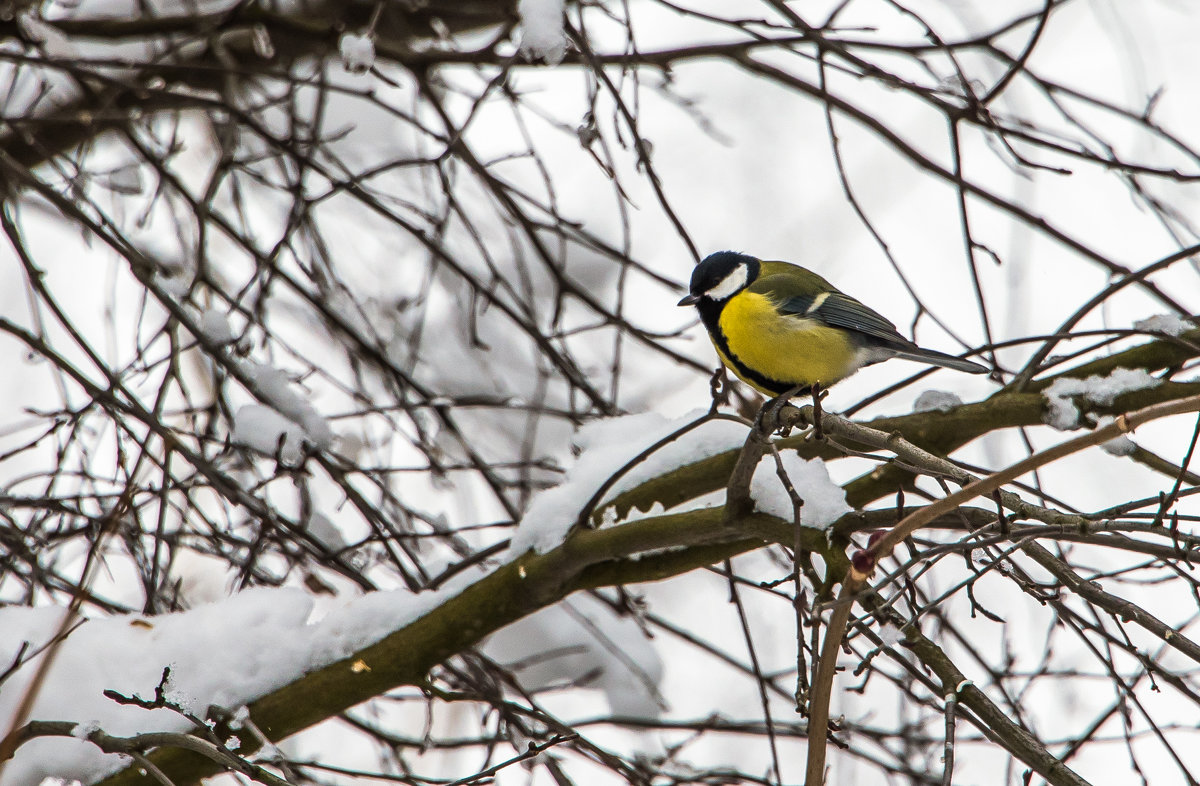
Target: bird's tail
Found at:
942, 359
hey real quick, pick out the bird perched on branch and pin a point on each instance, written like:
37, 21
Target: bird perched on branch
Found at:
779, 326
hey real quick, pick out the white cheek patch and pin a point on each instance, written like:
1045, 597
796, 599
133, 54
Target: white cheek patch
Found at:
730, 285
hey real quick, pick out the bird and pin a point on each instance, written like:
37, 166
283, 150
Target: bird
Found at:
781, 327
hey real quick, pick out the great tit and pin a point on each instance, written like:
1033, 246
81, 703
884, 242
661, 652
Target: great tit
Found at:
779, 326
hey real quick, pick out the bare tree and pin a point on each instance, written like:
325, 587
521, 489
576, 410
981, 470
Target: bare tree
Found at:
319, 294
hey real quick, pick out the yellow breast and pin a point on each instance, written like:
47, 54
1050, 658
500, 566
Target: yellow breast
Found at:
786, 350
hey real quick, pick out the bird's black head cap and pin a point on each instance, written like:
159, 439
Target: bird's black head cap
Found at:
712, 275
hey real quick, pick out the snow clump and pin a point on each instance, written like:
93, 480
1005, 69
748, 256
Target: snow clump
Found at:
1061, 412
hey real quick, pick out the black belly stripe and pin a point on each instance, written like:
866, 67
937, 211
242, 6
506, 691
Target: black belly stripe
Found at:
710, 315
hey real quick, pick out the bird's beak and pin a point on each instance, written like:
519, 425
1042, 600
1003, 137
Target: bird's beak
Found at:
689, 300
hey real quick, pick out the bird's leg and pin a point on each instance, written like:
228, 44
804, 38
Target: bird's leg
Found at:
816, 393
769, 420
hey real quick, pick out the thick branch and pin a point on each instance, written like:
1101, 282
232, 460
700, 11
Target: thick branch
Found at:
936, 432
590, 558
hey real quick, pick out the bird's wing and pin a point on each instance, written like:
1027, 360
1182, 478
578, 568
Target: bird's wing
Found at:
829, 306
844, 311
